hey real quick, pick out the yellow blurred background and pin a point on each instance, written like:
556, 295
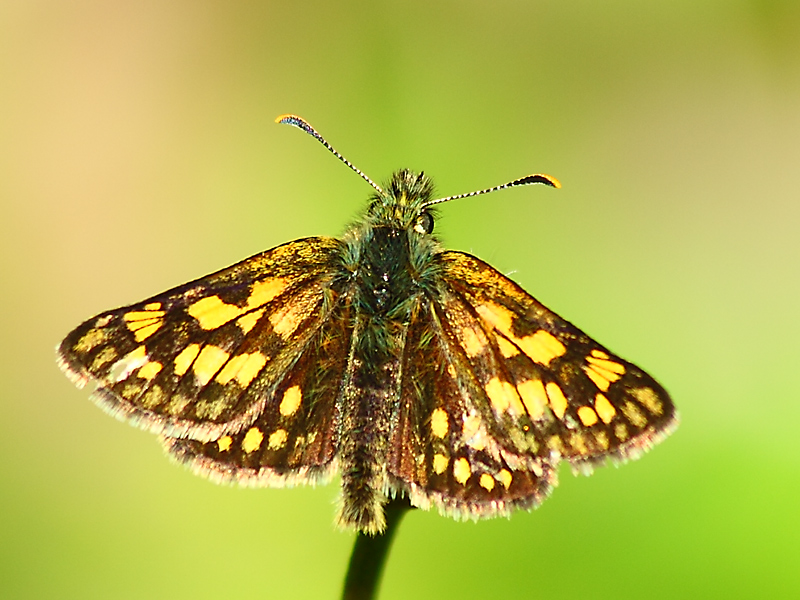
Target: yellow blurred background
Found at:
138, 151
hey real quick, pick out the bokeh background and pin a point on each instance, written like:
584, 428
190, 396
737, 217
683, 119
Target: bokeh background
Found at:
139, 151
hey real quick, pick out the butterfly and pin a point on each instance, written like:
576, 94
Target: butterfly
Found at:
407, 369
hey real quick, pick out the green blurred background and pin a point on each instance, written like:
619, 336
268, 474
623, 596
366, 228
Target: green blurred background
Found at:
138, 151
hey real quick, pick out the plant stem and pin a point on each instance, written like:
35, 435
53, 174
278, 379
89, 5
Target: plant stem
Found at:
369, 555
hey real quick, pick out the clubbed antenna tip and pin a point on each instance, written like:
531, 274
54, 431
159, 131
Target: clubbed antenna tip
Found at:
527, 180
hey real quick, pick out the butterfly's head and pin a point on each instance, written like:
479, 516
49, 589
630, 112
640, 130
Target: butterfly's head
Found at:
401, 203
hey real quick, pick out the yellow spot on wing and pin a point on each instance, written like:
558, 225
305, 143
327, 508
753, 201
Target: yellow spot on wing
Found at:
291, 401
602, 383
471, 425
507, 349
143, 315
137, 354
558, 402
153, 396
634, 415
231, 368
649, 399
503, 396
603, 372
439, 463
92, 338
150, 370
578, 442
461, 470
555, 444
211, 408
533, 397
604, 408
487, 482
153, 306
248, 321
542, 347
208, 362
451, 370
143, 323
265, 291
587, 416
286, 321
599, 353
213, 312
472, 341
504, 477
251, 368
185, 359
439, 423
277, 439
177, 404
607, 365
145, 332
472, 434
243, 368
497, 316
105, 356
127, 364
621, 431
252, 440
224, 443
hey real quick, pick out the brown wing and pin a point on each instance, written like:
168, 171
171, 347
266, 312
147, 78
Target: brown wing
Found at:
294, 438
497, 389
202, 360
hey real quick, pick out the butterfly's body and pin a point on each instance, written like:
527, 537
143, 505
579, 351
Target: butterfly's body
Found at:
390, 261
408, 369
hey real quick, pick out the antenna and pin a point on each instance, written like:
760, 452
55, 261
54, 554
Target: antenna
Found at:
527, 180
301, 123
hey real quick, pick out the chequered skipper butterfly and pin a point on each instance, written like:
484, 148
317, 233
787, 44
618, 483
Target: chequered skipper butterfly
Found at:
408, 369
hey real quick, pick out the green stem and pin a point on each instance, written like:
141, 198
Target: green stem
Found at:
369, 555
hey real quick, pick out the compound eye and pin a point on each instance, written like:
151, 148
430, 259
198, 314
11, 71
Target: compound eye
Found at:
424, 223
